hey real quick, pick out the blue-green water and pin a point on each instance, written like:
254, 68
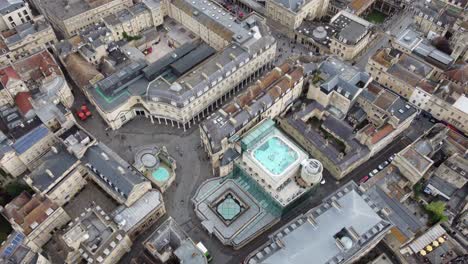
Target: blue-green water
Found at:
275, 155
161, 174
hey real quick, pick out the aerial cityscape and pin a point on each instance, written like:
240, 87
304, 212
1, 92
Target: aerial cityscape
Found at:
233, 131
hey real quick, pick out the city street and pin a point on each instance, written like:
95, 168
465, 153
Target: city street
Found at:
193, 167
397, 24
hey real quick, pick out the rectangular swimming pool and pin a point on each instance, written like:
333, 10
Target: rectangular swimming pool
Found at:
275, 155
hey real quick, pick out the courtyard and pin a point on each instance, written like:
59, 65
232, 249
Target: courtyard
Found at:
376, 17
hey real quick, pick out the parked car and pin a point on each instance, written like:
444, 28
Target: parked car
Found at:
83, 112
383, 165
374, 172
391, 157
364, 179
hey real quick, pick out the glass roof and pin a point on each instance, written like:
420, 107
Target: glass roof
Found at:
229, 208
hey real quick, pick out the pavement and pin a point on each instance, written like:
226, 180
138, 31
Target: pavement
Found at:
394, 26
193, 167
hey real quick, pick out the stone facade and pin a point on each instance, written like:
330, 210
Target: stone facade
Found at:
292, 17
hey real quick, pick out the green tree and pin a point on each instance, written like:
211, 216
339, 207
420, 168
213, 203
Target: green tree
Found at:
417, 190
436, 212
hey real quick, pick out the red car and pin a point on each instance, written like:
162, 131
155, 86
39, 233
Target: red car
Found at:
364, 179
85, 110
83, 113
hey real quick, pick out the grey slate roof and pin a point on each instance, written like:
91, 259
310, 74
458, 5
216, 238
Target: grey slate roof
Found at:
8, 6
442, 186
112, 169
399, 215
341, 77
356, 150
293, 5
55, 163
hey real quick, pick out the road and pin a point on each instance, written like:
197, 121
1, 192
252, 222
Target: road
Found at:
193, 167
397, 23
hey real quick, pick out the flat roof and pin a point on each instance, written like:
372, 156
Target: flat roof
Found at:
346, 213
169, 236
67, 9
462, 104
351, 28
129, 217
259, 211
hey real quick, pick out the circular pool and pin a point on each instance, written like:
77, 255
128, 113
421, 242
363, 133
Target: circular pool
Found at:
161, 174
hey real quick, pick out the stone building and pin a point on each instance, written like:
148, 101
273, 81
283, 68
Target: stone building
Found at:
192, 89
169, 241
268, 97
93, 238
14, 250
347, 225
354, 34
25, 40
350, 118
37, 217
141, 215
269, 175
14, 13
38, 72
59, 176
114, 175
69, 17
291, 14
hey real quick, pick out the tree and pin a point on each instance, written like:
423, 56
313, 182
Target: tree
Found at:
436, 212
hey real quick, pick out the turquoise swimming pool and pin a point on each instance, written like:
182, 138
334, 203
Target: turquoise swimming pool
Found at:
161, 174
275, 155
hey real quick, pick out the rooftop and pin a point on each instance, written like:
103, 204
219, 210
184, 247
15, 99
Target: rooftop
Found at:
350, 28
13, 249
93, 235
53, 167
128, 217
247, 105
341, 226
274, 161
172, 80
354, 150
68, 9
29, 211
112, 170
318, 31
387, 101
335, 75
422, 48
169, 237
8, 6
410, 70
23, 31
293, 5
258, 211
